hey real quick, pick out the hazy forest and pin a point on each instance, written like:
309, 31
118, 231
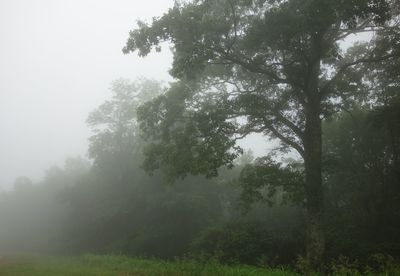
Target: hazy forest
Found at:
166, 187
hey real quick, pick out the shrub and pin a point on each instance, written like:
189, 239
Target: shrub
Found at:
247, 242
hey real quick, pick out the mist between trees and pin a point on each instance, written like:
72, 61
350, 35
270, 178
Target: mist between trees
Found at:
252, 213
167, 179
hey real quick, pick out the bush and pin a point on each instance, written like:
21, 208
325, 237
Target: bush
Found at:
247, 242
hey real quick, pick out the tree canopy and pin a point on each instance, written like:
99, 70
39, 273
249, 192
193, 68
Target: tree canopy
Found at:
270, 67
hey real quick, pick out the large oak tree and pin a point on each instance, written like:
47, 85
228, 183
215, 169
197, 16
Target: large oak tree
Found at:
256, 66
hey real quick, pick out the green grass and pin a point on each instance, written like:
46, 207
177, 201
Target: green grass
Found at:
122, 266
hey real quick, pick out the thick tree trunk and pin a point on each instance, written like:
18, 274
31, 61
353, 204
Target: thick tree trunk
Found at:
315, 244
312, 142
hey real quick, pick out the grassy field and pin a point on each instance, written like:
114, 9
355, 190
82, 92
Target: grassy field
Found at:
121, 266
90, 265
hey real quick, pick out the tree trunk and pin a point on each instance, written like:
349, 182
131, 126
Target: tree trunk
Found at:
312, 142
315, 243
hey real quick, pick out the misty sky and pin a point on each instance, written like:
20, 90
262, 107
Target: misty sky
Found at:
58, 58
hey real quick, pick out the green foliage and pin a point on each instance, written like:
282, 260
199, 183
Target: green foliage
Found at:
270, 67
200, 29
270, 182
114, 123
187, 137
266, 243
243, 66
362, 191
378, 264
137, 213
112, 206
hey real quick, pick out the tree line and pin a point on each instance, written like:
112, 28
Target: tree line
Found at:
252, 213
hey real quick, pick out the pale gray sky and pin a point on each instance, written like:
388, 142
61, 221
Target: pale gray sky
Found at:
58, 58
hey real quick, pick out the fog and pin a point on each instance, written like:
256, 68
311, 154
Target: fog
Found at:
263, 135
58, 59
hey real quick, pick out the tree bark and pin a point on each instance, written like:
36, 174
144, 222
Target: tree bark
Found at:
315, 243
312, 142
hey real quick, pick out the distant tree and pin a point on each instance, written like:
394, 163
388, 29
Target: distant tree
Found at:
72, 173
136, 212
22, 184
244, 66
115, 140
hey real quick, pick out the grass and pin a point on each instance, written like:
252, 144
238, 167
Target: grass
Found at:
110, 265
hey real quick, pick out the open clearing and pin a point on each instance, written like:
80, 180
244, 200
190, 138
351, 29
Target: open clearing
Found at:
119, 265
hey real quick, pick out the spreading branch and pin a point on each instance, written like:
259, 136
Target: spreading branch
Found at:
283, 138
325, 88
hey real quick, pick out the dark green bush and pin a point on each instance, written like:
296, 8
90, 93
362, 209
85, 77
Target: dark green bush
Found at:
247, 242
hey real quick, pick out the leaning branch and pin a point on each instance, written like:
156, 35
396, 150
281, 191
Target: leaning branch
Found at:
289, 124
283, 138
251, 66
